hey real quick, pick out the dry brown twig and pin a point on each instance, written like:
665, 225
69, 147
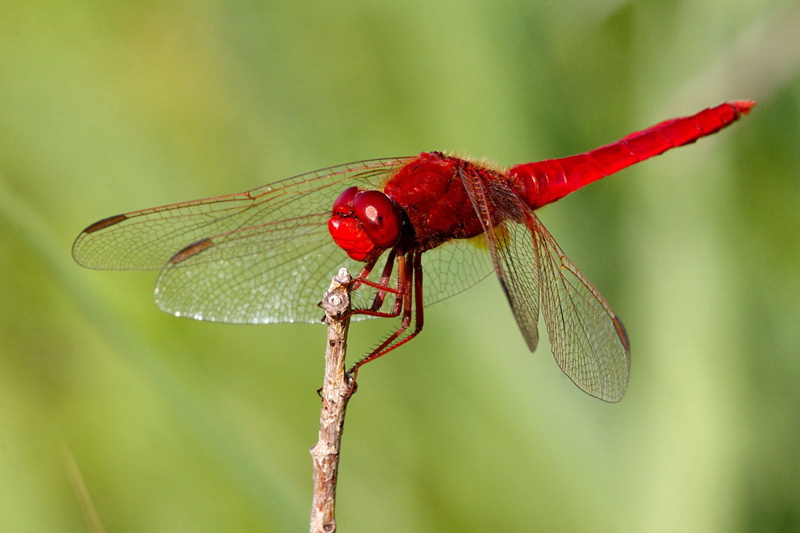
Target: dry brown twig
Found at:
337, 389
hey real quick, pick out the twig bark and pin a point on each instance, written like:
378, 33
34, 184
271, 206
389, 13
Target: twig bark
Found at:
336, 392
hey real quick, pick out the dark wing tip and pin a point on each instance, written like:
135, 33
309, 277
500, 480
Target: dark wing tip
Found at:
79, 247
191, 250
616, 394
622, 333
106, 222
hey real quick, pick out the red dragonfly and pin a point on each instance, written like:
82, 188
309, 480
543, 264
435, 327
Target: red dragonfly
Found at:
265, 255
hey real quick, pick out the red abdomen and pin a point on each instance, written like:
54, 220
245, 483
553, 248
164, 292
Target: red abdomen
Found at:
546, 181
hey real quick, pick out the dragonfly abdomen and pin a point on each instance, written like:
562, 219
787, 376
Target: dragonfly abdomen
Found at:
546, 181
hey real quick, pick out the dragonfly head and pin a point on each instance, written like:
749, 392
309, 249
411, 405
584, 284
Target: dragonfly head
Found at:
365, 223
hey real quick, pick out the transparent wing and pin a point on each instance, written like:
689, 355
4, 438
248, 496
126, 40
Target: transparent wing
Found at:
150, 238
454, 267
511, 248
282, 282
256, 257
261, 256
588, 340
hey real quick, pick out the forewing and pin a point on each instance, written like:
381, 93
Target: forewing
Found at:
255, 257
588, 339
148, 239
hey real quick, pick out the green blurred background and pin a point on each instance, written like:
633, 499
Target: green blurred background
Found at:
176, 425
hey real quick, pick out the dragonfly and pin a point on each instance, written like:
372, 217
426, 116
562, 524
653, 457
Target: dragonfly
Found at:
264, 255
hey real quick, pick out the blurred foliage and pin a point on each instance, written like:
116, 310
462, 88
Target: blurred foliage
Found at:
184, 426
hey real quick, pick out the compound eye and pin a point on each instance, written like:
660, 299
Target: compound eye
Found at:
379, 215
344, 202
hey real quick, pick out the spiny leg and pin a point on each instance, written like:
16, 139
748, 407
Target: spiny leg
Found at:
384, 288
410, 276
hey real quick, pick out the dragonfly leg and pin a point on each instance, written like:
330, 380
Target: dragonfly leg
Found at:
384, 288
410, 274
383, 284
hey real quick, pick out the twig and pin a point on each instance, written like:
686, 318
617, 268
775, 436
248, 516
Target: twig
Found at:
336, 392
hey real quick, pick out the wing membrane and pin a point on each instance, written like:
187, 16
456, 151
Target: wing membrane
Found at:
256, 257
148, 239
588, 340
281, 283
261, 256
511, 248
